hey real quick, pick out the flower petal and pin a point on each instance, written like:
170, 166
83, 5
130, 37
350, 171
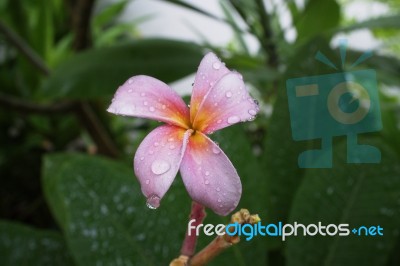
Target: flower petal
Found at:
157, 160
209, 176
147, 97
211, 69
228, 102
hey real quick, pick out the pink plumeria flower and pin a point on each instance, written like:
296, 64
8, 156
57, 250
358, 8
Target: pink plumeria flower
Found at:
219, 99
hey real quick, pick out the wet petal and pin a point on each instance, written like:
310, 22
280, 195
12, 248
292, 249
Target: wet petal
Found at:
147, 97
227, 103
211, 69
157, 160
209, 176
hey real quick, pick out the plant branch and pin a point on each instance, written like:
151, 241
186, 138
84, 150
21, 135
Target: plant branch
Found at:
268, 41
88, 118
28, 107
189, 243
221, 243
24, 48
81, 13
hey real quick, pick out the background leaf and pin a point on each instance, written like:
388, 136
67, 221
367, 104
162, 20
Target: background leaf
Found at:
343, 194
97, 73
22, 245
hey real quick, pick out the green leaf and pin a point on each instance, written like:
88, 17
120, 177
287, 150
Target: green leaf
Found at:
103, 214
22, 245
354, 194
109, 13
98, 72
311, 22
238, 33
389, 22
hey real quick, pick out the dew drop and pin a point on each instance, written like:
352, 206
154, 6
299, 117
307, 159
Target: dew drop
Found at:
216, 65
218, 189
207, 173
156, 144
219, 121
172, 146
141, 158
171, 139
233, 119
206, 182
151, 152
147, 181
252, 112
130, 90
145, 103
153, 202
228, 94
151, 109
219, 200
130, 82
143, 94
215, 150
159, 167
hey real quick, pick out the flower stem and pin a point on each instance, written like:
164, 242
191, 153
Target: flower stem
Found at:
189, 243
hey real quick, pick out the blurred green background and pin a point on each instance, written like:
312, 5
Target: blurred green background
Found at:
67, 191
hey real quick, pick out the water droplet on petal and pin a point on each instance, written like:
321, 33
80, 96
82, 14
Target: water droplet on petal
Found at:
153, 202
216, 104
141, 158
233, 119
159, 167
151, 152
207, 173
215, 150
228, 94
219, 200
218, 189
145, 103
206, 182
147, 181
151, 109
216, 65
130, 81
143, 94
163, 106
172, 146
130, 90
252, 112
171, 139
156, 144
219, 121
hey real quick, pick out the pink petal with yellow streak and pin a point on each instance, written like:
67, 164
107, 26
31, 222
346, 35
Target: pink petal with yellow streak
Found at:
227, 103
147, 97
209, 176
211, 69
157, 161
